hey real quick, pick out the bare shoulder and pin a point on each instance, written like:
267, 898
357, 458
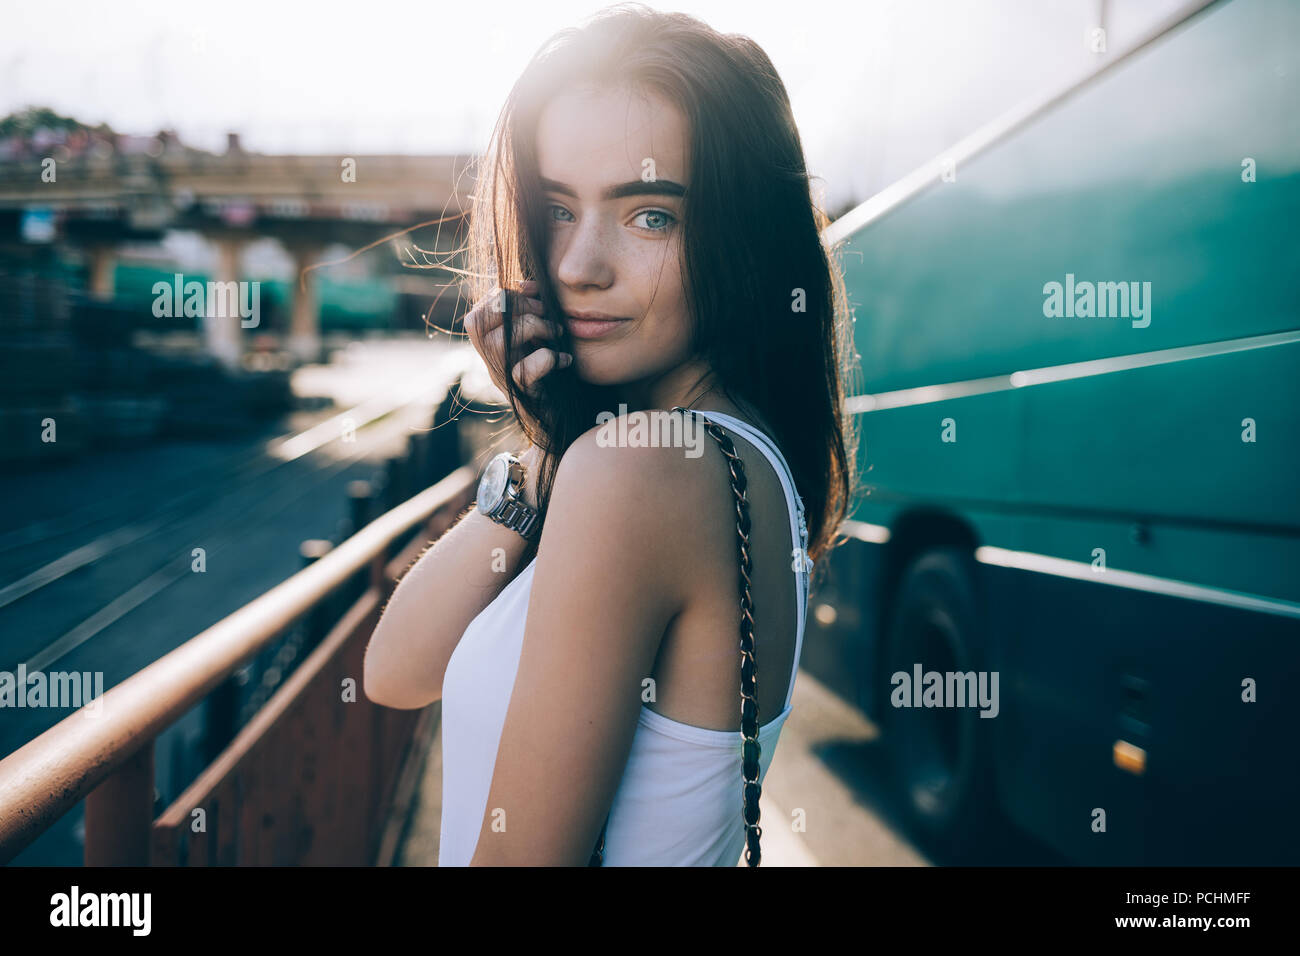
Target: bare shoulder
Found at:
644, 483
653, 474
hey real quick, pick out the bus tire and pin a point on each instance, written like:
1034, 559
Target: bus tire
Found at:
941, 758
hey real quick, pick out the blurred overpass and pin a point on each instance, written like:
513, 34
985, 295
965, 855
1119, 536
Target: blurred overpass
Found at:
102, 197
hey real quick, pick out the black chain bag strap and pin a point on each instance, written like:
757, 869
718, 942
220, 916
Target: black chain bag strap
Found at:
751, 788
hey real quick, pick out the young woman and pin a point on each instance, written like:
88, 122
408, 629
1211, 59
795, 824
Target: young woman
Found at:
646, 202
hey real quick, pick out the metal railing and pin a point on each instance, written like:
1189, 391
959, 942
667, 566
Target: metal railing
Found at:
311, 777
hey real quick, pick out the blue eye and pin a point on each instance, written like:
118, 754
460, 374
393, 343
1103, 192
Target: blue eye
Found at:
657, 220
663, 219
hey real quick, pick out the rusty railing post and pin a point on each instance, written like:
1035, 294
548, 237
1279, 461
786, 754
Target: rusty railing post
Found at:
316, 622
417, 462
395, 485
360, 496
221, 713
445, 439
119, 814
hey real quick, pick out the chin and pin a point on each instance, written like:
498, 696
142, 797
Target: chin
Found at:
599, 370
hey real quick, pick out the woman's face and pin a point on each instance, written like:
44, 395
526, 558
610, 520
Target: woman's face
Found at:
613, 165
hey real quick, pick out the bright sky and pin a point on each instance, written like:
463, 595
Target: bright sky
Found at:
878, 86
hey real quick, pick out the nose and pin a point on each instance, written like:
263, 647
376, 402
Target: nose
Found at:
584, 255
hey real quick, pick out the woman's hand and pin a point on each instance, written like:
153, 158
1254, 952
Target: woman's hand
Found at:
485, 326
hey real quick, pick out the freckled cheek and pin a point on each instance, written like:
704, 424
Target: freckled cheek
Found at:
667, 324
664, 331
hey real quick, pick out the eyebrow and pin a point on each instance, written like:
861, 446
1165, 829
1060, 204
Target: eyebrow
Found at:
657, 187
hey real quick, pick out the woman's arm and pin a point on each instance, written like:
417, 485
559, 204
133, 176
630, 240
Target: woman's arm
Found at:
615, 565
436, 599
468, 566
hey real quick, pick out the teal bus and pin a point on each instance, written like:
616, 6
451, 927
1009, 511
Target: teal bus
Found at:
1079, 335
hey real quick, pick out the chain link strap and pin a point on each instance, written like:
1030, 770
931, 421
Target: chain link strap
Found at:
750, 748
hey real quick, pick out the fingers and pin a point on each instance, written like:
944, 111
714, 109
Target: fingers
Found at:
489, 312
485, 327
527, 328
529, 370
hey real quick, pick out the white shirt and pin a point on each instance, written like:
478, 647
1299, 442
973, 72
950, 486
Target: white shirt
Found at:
679, 800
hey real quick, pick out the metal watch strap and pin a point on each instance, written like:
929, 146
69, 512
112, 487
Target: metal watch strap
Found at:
518, 517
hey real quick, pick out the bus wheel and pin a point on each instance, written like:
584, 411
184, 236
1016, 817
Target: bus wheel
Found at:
941, 757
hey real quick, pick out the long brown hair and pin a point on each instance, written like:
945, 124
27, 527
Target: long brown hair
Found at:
768, 305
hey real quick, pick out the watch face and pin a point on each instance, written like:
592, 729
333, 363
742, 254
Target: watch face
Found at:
492, 486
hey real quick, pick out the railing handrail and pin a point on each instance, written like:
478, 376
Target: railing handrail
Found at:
47, 776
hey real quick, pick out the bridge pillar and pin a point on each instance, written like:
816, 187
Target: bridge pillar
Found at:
103, 262
304, 321
221, 333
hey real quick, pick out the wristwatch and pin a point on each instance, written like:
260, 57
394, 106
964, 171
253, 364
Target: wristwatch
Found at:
499, 495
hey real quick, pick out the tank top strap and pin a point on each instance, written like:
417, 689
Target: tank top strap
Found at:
767, 445
798, 523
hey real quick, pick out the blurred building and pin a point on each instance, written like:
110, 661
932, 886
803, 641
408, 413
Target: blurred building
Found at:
106, 239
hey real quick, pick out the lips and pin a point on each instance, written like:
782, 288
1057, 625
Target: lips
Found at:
592, 325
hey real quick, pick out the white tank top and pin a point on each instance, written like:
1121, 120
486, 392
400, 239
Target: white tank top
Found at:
679, 800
